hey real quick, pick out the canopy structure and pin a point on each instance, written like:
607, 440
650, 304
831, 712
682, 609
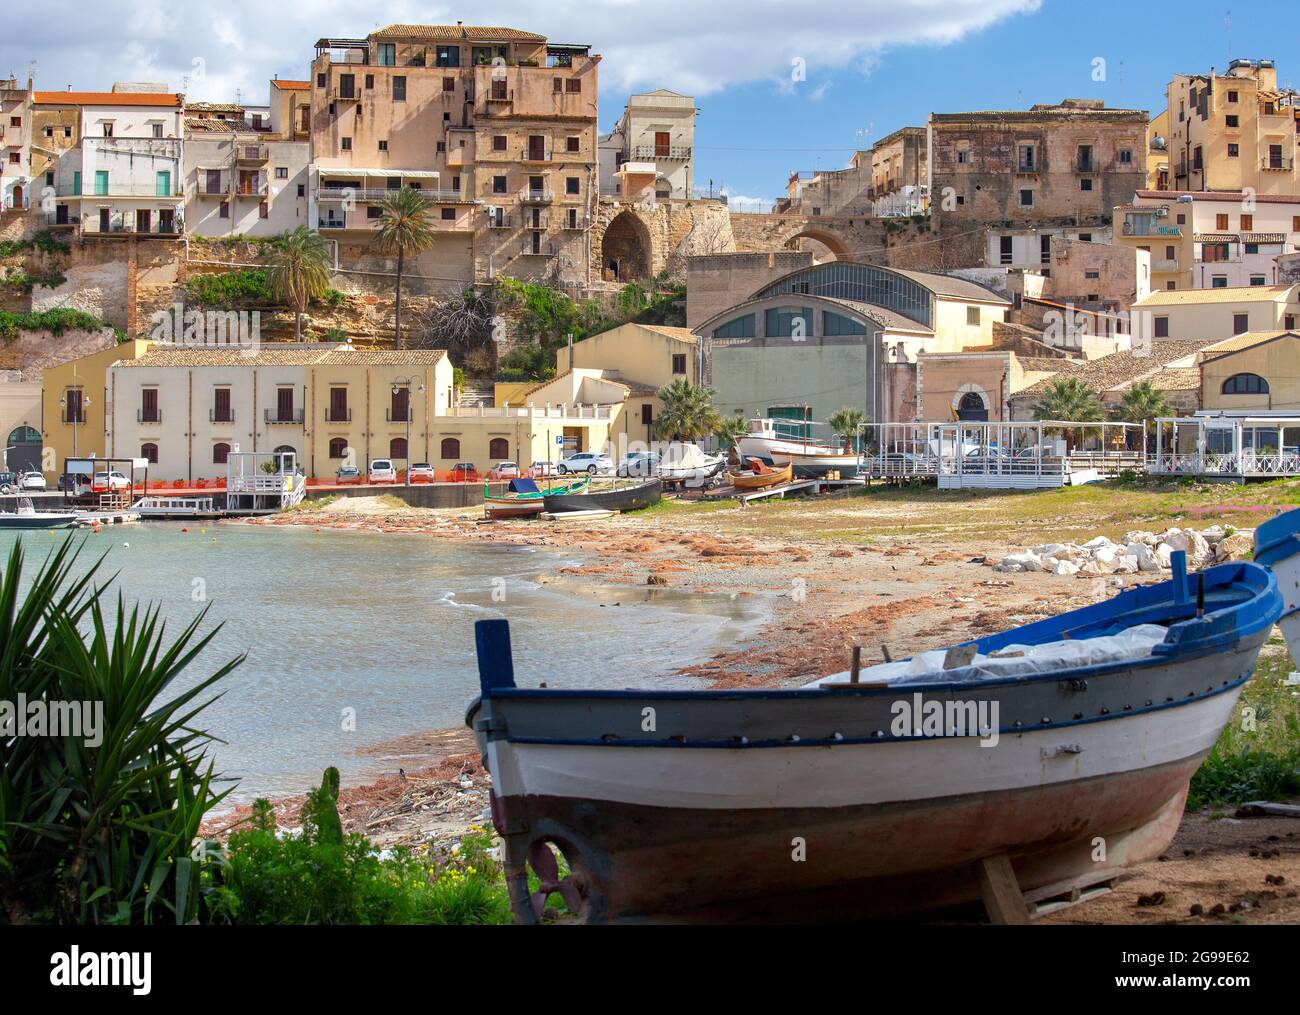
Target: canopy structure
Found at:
1229, 447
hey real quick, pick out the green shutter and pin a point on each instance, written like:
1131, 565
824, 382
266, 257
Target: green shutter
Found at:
101, 182
163, 186
76, 183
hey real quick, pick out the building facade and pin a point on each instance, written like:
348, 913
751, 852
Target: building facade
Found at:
654, 136
1220, 313
16, 196
77, 404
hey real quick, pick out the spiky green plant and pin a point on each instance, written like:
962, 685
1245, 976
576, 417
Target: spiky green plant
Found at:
844, 423
100, 828
687, 413
730, 432
298, 271
1144, 403
404, 230
1069, 401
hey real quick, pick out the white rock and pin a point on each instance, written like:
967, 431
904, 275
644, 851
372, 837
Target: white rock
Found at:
1164, 554
1057, 550
1065, 568
1097, 543
1198, 550
1127, 564
1021, 562
1138, 536
1146, 558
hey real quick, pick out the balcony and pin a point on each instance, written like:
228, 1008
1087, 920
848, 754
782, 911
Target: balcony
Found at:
148, 416
331, 223
220, 189
292, 417
258, 190
531, 249
252, 155
1277, 163
91, 226
374, 195
671, 153
501, 222
1165, 265
21, 205
1031, 168
536, 197
1085, 166
333, 415
535, 156
72, 419
221, 415
396, 416
575, 225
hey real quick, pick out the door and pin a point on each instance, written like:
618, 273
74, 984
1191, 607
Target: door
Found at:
662, 147
61, 215
143, 220
149, 405
248, 181
221, 406
72, 413
401, 405
163, 183
284, 404
213, 184
101, 182
76, 183
104, 221
338, 405
24, 450
166, 221
536, 148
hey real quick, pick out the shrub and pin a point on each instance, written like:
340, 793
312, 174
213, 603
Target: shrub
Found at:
232, 288
56, 321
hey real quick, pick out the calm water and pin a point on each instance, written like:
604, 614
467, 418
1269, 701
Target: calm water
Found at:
383, 624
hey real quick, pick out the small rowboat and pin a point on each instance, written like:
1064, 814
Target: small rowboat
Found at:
525, 499
761, 477
990, 770
627, 498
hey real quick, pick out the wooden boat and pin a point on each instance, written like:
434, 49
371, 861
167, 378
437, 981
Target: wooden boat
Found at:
25, 516
524, 499
809, 458
1277, 546
761, 477
628, 498
683, 805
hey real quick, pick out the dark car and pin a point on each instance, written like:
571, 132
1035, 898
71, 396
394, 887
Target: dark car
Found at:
8, 482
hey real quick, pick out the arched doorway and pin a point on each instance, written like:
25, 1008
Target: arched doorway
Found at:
286, 457
625, 249
18, 196
23, 449
972, 408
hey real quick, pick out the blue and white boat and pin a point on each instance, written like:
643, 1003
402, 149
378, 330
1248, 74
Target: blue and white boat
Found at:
1060, 751
1277, 547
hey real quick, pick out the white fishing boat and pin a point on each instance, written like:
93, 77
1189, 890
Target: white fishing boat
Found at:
25, 516
771, 439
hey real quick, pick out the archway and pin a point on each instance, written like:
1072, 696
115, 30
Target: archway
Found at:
24, 449
625, 251
971, 405
823, 244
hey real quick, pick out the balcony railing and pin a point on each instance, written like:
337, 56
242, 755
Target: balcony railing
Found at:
529, 154
338, 415
22, 205
1030, 167
91, 226
371, 195
501, 222
206, 189
537, 250
679, 153
252, 154
255, 190
400, 417
277, 416
221, 415
536, 197
148, 416
1282, 163
1085, 166
331, 223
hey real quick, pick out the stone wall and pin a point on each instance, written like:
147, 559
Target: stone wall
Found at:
33, 351
715, 282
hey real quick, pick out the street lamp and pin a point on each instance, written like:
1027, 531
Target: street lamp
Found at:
406, 382
63, 404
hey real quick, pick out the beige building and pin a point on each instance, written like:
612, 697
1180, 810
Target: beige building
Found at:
899, 174
16, 178
1252, 372
1219, 314
20, 424
655, 138
495, 125
77, 404
1233, 131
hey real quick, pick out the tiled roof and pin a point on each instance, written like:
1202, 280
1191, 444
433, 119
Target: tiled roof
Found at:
681, 334
451, 33
1246, 340
1229, 196
294, 86
1234, 294
285, 354
1176, 379
1120, 368
213, 107
168, 99
1041, 364
348, 356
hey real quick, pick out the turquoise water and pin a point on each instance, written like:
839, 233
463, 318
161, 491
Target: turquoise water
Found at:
382, 624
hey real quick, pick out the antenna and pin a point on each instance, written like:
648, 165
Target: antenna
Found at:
1227, 28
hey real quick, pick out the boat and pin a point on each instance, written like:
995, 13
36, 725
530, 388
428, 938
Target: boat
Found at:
997, 768
523, 498
809, 458
762, 477
25, 516
687, 463
627, 498
1277, 546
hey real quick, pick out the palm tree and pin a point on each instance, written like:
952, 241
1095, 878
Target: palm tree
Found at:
1070, 401
298, 271
688, 412
730, 433
1143, 403
845, 424
403, 230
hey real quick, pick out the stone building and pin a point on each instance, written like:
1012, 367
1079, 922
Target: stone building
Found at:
654, 137
15, 155
1053, 165
494, 124
899, 174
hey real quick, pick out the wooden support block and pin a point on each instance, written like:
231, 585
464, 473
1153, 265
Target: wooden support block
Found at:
1000, 891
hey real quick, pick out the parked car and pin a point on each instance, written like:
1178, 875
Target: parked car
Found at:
382, 471
585, 461
347, 474
102, 482
638, 463
464, 472
505, 470
8, 482
32, 480
422, 472
542, 468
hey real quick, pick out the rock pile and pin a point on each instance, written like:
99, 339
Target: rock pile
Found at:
1136, 552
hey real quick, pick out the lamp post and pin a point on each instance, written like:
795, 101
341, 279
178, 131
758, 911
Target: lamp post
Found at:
63, 404
407, 382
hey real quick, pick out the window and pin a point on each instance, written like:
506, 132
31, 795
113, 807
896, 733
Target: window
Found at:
1234, 151
498, 142
383, 145
963, 157
741, 327
386, 54
220, 452
789, 322
1092, 274
973, 316
399, 88
281, 173
320, 80
1126, 156
347, 86
1161, 327
1026, 199
455, 184
1211, 252
108, 128
573, 85
557, 85
498, 184
1006, 253
370, 81
346, 144
1258, 280
448, 84
571, 185
1085, 184
1219, 282
67, 132
1085, 237
1221, 222
157, 130
1245, 384
449, 214
1247, 223
572, 144
49, 131
221, 411
647, 413
447, 56
1232, 96
1288, 322
397, 448
224, 211
449, 448
149, 452
499, 448
149, 405
1240, 324
337, 411
373, 211
679, 362
837, 324
338, 447
1231, 121
263, 210
1252, 248
302, 190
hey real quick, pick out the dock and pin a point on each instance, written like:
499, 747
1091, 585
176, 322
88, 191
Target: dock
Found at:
801, 486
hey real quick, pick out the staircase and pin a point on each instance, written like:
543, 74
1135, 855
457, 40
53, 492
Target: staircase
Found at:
475, 395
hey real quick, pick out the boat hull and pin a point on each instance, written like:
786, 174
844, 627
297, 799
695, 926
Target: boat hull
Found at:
762, 481
513, 508
39, 520
628, 499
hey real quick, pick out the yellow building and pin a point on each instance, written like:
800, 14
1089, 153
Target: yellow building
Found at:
20, 422
1217, 313
75, 405
1254, 371
1158, 152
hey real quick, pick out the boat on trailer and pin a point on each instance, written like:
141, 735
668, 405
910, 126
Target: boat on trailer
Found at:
807, 457
1048, 757
761, 477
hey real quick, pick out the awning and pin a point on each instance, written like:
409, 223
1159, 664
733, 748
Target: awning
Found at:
406, 174
1263, 237
1217, 238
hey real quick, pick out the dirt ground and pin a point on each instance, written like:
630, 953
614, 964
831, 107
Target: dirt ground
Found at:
902, 570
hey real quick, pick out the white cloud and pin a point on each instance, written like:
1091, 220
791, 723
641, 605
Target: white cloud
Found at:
689, 46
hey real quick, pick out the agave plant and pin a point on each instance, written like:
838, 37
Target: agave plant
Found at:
99, 829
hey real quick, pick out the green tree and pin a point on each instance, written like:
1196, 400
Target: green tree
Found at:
688, 413
1144, 403
844, 424
1069, 401
298, 271
403, 230
730, 432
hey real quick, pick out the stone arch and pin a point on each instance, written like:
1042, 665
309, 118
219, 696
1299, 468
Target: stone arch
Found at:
23, 449
828, 238
971, 403
626, 249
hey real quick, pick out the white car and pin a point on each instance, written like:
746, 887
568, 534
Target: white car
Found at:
540, 468
32, 481
506, 470
382, 471
102, 482
585, 461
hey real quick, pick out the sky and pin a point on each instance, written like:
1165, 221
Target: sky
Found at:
781, 85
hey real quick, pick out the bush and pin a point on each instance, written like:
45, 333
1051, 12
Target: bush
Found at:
1247, 774
233, 288
56, 321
